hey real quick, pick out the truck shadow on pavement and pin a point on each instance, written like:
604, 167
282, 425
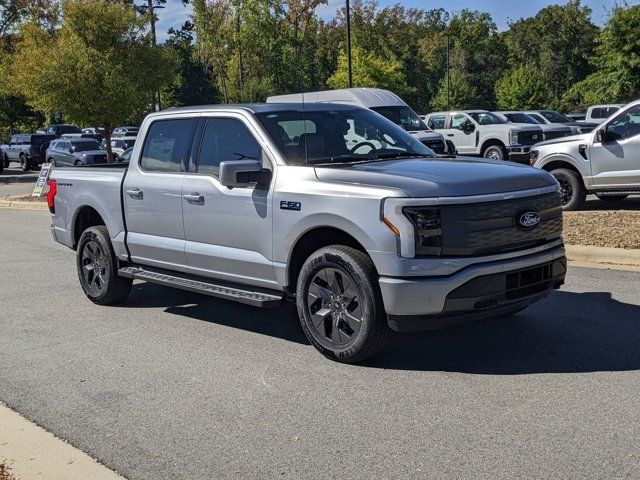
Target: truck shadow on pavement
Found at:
566, 333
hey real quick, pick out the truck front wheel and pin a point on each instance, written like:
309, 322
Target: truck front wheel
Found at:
496, 152
98, 268
571, 187
340, 305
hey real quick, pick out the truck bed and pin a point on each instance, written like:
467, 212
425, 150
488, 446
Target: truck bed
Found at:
95, 187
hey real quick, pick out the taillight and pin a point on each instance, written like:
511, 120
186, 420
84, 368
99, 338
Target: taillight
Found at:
51, 195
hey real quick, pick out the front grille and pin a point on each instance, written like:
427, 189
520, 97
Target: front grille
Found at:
556, 134
490, 228
530, 137
438, 146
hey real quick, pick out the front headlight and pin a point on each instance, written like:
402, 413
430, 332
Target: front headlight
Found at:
513, 137
427, 226
533, 157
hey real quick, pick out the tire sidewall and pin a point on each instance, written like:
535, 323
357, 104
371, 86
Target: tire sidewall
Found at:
496, 148
575, 203
93, 234
24, 163
331, 258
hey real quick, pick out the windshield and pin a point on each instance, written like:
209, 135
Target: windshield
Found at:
86, 145
487, 118
338, 136
403, 116
521, 118
555, 117
62, 129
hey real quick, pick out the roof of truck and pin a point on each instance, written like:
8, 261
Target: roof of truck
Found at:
261, 107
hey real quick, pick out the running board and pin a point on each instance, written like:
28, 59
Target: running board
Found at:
242, 294
613, 193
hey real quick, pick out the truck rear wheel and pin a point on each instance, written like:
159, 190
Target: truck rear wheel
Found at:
98, 268
25, 164
5, 160
340, 306
571, 187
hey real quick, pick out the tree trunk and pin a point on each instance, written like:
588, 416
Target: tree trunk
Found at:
108, 130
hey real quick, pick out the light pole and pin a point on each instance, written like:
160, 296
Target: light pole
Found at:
149, 8
350, 73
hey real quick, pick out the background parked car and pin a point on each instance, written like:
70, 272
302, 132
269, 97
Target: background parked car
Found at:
599, 113
119, 145
60, 129
485, 134
126, 156
549, 131
550, 117
27, 148
75, 151
576, 117
125, 131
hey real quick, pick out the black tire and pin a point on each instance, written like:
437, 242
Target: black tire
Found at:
25, 163
1, 167
611, 198
573, 192
328, 306
451, 148
78, 163
5, 160
95, 254
495, 152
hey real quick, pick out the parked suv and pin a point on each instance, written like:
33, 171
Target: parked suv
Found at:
485, 134
384, 102
261, 204
599, 113
549, 131
605, 162
75, 151
120, 144
551, 117
27, 148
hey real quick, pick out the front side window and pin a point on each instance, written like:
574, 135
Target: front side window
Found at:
555, 117
226, 139
521, 118
487, 118
402, 116
436, 122
625, 125
167, 145
459, 121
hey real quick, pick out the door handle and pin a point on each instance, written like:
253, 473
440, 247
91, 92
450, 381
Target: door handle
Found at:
450, 135
135, 193
194, 198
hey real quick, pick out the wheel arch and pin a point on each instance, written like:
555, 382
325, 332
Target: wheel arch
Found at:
85, 217
491, 142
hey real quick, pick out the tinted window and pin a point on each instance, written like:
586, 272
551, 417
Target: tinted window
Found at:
86, 146
167, 145
555, 117
459, 121
487, 118
403, 116
436, 122
520, 118
537, 118
625, 125
226, 139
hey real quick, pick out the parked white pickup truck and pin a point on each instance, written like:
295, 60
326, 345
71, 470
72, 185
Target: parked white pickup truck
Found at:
605, 162
485, 134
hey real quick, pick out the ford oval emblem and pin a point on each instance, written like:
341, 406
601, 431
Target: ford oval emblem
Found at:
528, 219
535, 136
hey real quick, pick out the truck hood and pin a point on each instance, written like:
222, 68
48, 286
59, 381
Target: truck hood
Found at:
440, 177
571, 139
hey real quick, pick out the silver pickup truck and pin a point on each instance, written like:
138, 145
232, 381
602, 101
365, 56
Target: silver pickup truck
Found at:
265, 203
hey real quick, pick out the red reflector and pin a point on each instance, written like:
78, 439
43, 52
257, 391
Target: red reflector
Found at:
51, 195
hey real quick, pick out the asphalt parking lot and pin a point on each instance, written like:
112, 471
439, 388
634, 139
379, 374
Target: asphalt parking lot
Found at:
175, 385
15, 182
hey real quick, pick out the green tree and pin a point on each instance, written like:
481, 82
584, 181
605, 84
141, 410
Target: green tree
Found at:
462, 95
558, 42
522, 89
369, 71
97, 68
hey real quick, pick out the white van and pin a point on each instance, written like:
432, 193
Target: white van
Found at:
384, 102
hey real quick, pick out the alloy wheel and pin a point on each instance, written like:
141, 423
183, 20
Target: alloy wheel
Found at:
94, 268
334, 307
565, 190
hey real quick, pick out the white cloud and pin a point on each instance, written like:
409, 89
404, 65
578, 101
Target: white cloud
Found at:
173, 15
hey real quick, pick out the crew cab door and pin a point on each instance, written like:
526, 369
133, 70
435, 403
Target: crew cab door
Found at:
153, 195
462, 132
615, 161
228, 232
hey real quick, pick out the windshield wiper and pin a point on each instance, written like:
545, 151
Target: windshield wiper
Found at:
386, 156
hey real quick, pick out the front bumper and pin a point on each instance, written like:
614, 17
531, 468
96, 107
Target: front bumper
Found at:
519, 153
479, 291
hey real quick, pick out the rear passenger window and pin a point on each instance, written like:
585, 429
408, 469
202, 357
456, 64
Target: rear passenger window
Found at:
436, 122
167, 145
226, 139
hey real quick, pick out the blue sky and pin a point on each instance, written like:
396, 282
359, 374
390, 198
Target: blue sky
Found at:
503, 11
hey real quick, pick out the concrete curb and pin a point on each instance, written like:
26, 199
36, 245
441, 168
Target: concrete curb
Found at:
32, 452
18, 205
603, 256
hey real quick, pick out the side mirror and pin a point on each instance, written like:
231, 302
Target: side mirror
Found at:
602, 136
240, 173
469, 127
